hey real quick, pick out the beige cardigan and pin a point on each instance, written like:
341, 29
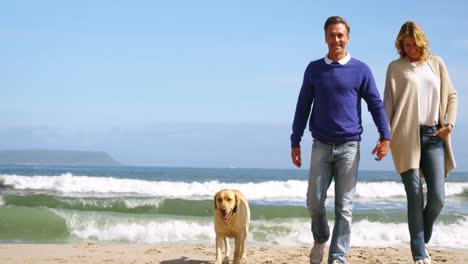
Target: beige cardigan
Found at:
401, 106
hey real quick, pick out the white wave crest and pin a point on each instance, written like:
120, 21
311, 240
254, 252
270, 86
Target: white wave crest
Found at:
110, 202
291, 232
292, 190
376, 234
152, 232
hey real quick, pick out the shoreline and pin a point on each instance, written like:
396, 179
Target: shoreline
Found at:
96, 253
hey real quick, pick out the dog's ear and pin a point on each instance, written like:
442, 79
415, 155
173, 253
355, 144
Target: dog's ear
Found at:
215, 207
234, 211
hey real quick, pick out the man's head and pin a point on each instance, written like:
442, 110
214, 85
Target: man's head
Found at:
336, 36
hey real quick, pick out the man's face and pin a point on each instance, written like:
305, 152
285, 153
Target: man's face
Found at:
336, 38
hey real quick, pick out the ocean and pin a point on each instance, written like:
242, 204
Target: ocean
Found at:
66, 204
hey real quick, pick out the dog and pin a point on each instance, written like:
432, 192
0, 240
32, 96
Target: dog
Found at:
231, 220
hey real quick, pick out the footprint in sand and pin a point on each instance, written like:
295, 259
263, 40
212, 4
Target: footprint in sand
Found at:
153, 251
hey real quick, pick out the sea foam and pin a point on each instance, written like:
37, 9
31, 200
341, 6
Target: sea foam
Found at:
287, 232
292, 190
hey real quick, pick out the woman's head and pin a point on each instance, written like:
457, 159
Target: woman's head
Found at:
412, 42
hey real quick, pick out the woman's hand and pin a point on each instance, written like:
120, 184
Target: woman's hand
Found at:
443, 132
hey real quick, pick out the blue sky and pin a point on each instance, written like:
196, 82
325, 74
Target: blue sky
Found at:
194, 83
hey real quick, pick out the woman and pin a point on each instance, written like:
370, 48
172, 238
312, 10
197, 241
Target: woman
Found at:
421, 106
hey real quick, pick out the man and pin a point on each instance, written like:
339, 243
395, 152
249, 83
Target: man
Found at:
334, 85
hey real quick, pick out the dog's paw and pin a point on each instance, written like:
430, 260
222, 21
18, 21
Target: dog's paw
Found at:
226, 260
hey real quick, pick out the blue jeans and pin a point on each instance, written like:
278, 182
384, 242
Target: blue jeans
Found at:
339, 162
421, 219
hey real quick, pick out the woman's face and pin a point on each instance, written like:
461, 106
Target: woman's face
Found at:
413, 51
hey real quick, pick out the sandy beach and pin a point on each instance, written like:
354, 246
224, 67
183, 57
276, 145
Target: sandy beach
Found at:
85, 253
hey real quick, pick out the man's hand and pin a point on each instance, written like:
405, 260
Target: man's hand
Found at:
443, 132
296, 156
381, 149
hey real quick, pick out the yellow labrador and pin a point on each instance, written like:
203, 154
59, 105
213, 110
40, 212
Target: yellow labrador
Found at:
231, 219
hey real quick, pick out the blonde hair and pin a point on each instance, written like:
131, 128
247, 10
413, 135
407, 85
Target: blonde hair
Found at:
410, 28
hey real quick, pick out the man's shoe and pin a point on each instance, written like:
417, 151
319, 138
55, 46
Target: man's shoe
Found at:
423, 261
316, 253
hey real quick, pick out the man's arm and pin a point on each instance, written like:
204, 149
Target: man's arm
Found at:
375, 106
303, 106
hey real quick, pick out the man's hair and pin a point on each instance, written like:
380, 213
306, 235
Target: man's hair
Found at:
336, 20
411, 29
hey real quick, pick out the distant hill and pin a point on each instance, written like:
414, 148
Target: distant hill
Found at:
57, 157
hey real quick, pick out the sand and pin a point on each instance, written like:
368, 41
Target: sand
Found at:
85, 253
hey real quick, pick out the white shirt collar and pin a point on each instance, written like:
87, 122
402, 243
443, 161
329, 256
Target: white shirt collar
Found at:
343, 61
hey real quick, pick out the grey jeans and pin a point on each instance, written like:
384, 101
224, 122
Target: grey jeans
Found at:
338, 162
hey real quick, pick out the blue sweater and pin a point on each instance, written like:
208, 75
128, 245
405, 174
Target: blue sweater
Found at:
334, 93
